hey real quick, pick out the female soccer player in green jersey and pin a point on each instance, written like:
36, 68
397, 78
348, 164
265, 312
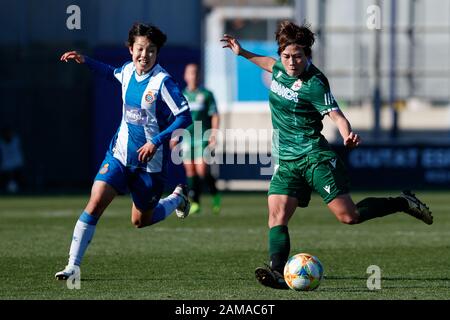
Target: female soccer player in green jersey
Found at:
299, 98
204, 113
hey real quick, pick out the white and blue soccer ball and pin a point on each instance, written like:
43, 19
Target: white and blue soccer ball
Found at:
303, 272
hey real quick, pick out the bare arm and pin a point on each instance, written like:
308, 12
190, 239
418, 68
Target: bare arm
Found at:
350, 138
215, 119
263, 62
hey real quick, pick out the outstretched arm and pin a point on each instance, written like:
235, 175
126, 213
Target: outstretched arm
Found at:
351, 139
101, 68
263, 62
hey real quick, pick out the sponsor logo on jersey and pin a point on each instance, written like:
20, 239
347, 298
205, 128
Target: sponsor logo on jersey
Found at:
200, 98
327, 189
279, 74
284, 92
149, 97
136, 116
297, 85
104, 169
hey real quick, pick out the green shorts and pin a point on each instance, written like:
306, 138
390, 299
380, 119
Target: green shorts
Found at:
322, 171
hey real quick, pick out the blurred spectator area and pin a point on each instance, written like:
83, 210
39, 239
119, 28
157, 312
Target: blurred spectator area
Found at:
416, 85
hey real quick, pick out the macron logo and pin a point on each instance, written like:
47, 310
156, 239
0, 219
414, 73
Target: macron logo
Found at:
333, 163
327, 189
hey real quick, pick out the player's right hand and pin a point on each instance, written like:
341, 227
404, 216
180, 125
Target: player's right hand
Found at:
232, 43
352, 141
72, 55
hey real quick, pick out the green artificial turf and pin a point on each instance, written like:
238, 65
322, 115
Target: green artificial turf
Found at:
210, 256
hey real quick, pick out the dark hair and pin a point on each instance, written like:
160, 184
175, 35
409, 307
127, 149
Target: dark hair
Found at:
289, 33
193, 64
154, 34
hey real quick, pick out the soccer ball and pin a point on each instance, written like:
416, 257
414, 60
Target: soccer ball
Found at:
303, 272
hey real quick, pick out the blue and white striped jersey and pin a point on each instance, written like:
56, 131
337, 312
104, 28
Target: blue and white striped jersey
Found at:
151, 102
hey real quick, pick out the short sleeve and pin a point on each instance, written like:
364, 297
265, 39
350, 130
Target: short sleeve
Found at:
119, 72
173, 97
212, 106
321, 97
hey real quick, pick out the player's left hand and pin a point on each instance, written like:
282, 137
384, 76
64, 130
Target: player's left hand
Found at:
352, 141
146, 152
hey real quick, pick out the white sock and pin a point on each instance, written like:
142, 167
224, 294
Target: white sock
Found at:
82, 236
165, 207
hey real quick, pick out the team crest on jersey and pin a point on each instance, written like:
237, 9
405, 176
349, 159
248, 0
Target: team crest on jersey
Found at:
149, 97
104, 169
200, 98
297, 85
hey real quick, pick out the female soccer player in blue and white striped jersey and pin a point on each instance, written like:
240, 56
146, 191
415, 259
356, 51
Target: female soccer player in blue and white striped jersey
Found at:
153, 107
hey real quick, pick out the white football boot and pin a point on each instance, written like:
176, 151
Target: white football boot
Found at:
182, 210
67, 272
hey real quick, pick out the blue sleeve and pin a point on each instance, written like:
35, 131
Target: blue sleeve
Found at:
182, 121
103, 69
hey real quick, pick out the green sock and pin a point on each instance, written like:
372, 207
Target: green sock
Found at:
190, 182
194, 188
279, 247
370, 208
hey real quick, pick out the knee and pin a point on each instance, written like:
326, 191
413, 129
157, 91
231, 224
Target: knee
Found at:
137, 223
190, 171
348, 218
141, 220
276, 218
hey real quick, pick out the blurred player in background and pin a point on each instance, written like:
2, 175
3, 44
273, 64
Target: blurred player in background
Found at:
205, 116
299, 98
11, 161
153, 107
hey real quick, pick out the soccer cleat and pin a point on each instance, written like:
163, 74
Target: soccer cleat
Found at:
417, 208
195, 208
182, 210
216, 204
270, 278
67, 272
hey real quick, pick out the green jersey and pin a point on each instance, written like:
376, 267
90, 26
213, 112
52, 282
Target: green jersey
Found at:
298, 105
203, 106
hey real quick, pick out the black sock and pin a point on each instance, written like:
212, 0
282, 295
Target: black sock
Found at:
194, 188
370, 208
211, 183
